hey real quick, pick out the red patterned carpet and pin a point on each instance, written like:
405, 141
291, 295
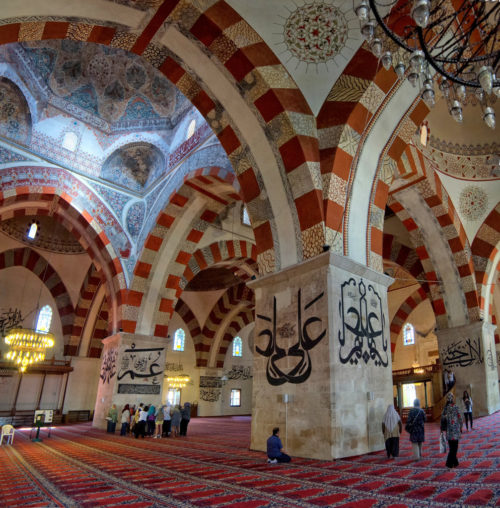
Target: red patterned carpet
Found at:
81, 466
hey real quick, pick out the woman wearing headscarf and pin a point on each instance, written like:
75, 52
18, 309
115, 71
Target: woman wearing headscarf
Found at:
112, 418
151, 421
167, 419
451, 422
415, 426
186, 417
391, 427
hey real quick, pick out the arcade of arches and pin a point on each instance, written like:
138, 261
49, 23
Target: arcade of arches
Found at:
197, 165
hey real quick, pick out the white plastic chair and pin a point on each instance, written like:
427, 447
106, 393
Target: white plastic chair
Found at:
8, 432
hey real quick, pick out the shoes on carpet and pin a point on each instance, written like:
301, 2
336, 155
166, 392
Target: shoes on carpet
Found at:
272, 461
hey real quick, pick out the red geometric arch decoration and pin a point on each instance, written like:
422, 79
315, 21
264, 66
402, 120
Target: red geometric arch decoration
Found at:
234, 297
399, 319
56, 192
34, 262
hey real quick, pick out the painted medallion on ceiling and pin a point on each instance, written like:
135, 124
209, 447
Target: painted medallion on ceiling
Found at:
473, 203
135, 166
15, 118
109, 88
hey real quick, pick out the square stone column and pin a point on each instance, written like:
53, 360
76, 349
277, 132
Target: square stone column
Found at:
469, 351
131, 372
322, 358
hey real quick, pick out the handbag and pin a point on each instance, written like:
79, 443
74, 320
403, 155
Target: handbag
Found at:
442, 443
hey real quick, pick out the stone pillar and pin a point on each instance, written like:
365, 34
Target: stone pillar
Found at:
131, 372
322, 358
469, 351
210, 396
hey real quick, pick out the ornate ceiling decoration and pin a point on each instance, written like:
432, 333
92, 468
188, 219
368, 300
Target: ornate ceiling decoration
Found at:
111, 89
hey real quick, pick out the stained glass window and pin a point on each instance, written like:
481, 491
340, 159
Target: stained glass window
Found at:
237, 347
408, 334
44, 319
179, 340
236, 397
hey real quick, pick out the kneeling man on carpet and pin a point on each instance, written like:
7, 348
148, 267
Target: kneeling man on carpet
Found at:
275, 452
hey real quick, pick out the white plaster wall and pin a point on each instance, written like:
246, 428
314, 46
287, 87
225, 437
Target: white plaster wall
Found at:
186, 358
82, 385
245, 385
19, 289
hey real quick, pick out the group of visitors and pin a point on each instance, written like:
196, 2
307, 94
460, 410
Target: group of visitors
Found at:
151, 421
451, 427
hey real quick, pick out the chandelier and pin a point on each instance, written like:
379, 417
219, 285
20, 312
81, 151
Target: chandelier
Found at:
178, 381
453, 42
27, 346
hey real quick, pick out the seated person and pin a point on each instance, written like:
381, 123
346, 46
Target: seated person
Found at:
275, 452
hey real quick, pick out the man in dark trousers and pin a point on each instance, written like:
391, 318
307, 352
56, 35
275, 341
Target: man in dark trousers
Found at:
275, 452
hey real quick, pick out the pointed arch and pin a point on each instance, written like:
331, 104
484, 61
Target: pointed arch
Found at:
36, 263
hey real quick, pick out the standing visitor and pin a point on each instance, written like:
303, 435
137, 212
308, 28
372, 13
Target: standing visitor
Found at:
112, 418
392, 427
159, 422
167, 420
176, 420
186, 417
446, 377
415, 426
451, 422
125, 420
467, 410
275, 451
451, 380
140, 427
150, 425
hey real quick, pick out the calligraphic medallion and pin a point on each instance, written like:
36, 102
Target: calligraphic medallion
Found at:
362, 334
276, 372
141, 363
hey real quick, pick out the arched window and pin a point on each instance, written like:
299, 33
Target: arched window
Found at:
245, 218
44, 319
191, 129
408, 334
179, 337
33, 230
237, 347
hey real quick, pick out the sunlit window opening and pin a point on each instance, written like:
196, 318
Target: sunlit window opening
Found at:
409, 395
70, 141
424, 134
245, 218
235, 397
408, 334
174, 396
191, 129
237, 347
32, 231
44, 319
179, 340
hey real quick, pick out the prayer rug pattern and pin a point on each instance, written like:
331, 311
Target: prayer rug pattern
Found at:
213, 467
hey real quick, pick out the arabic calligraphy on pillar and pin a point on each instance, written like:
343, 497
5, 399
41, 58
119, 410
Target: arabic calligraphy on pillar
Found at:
462, 353
108, 368
140, 363
362, 334
299, 351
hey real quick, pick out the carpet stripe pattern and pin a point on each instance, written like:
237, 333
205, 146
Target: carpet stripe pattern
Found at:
213, 467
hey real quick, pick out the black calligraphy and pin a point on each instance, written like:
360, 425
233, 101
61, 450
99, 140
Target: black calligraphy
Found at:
108, 368
462, 353
210, 394
140, 363
301, 371
210, 382
9, 319
239, 372
362, 334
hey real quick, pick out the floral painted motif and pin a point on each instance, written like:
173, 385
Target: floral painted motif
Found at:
473, 202
135, 218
